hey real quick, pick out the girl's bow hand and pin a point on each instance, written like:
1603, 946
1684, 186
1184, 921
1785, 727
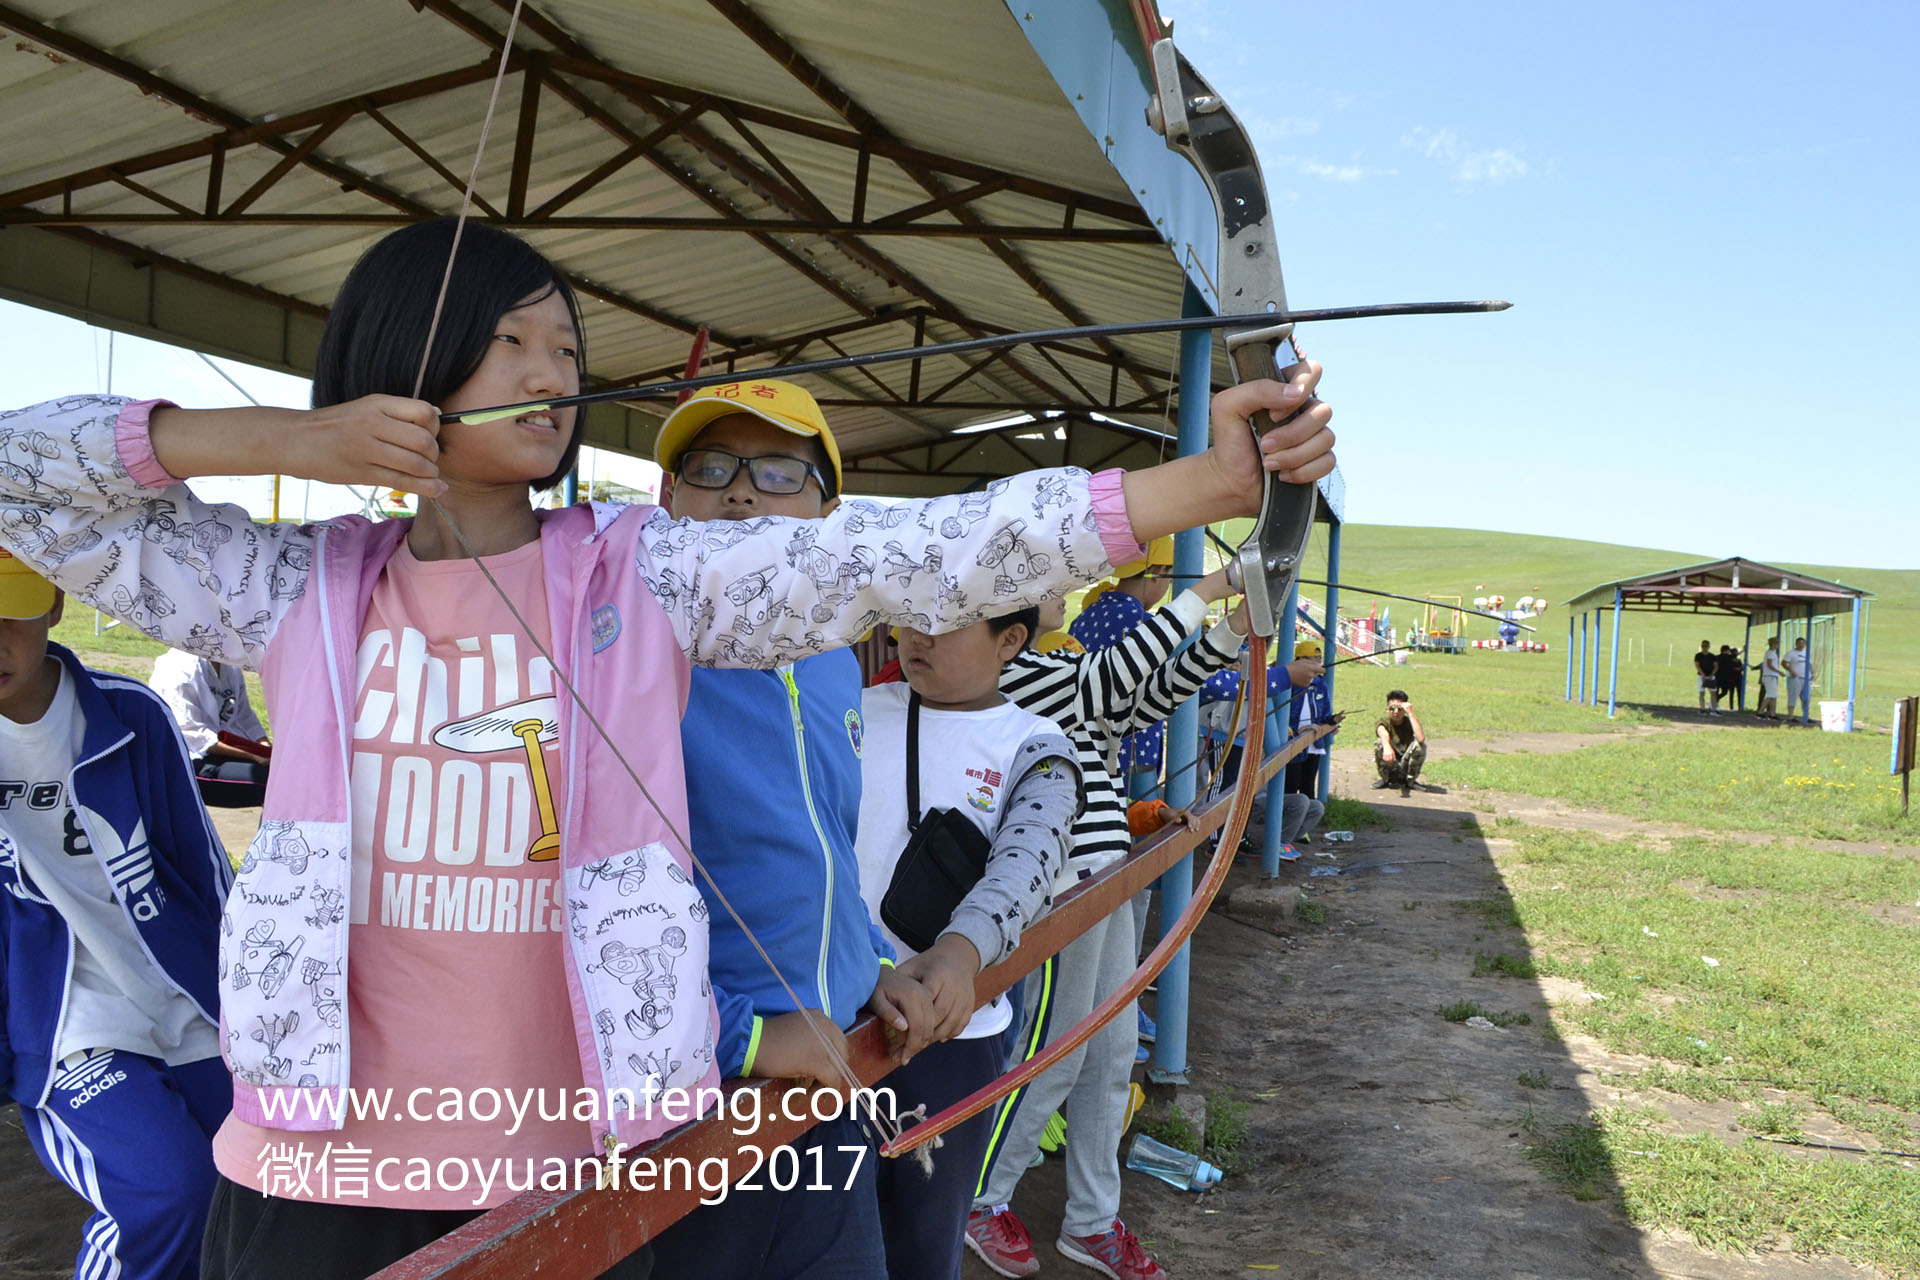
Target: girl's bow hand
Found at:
387, 441
1298, 449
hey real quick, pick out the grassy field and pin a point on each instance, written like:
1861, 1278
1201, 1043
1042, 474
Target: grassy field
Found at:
1809, 1022
1469, 563
1794, 782
1779, 978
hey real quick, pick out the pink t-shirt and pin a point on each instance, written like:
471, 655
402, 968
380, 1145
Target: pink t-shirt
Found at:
456, 991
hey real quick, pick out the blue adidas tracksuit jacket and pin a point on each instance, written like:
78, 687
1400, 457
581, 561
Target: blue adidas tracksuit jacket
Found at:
133, 792
773, 794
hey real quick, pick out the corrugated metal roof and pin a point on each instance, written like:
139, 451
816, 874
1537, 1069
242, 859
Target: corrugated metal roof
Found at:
1719, 583
954, 78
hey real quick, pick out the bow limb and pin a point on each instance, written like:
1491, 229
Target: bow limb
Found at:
1171, 939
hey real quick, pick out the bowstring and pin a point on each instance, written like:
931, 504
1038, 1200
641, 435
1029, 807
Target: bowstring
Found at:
839, 1060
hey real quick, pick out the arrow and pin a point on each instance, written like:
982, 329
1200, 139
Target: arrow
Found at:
991, 342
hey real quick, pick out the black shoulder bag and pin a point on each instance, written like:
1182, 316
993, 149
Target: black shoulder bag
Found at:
945, 857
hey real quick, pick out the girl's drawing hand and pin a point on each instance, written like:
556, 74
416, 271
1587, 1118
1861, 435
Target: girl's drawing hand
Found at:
385, 441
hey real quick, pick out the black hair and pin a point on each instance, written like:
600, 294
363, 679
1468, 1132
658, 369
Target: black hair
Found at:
1028, 617
377, 331
1396, 695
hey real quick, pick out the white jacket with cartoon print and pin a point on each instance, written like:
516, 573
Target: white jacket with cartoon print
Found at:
633, 597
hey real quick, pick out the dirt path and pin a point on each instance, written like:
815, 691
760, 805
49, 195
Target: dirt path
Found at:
1353, 771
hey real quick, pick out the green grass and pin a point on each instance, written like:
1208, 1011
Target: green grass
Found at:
1812, 1012
120, 648
1311, 912
1740, 1195
1813, 991
1475, 695
1344, 814
1173, 1128
126, 651
1535, 1080
1227, 1126
1461, 1010
1503, 965
1787, 781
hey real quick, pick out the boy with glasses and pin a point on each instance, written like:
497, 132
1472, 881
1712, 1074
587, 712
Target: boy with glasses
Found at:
773, 792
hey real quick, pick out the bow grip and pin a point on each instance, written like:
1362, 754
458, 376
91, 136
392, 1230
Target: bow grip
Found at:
1269, 561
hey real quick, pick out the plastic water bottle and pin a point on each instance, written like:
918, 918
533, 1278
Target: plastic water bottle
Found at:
1171, 1165
1338, 837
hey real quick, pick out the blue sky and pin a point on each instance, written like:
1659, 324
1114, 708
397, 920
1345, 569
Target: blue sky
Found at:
1706, 216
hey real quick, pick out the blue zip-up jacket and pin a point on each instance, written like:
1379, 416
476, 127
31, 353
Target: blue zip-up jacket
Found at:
134, 794
773, 797
1314, 705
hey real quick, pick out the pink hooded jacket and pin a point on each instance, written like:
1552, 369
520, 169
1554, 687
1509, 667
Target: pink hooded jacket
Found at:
633, 597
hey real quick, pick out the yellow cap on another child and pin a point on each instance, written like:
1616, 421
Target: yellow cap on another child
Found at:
23, 593
1308, 649
1159, 551
788, 407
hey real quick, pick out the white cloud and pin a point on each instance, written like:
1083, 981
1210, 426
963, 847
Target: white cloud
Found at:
1315, 168
1284, 126
1335, 172
1469, 164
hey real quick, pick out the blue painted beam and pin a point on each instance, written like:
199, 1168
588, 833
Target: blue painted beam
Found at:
1613, 655
1169, 1063
1332, 651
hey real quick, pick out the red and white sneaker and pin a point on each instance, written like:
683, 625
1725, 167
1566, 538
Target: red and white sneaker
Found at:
1117, 1254
1002, 1242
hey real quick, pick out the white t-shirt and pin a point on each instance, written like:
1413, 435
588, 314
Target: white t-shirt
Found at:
205, 697
968, 762
116, 997
1796, 660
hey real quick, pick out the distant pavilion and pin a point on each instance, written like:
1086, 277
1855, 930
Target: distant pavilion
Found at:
1795, 604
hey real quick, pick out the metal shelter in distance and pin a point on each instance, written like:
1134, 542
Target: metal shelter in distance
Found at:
1758, 593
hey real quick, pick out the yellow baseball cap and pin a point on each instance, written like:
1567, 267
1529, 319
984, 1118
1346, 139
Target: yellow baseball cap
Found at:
1159, 551
787, 406
23, 593
1308, 649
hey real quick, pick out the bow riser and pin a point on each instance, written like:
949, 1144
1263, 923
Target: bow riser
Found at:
1198, 124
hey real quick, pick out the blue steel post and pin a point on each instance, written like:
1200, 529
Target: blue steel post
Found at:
1806, 686
1613, 655
1853, 660
1277, 725
1169, 1064
1330, 649
1583, 657
1569, 697
570, 493
1593, 680
1746, 648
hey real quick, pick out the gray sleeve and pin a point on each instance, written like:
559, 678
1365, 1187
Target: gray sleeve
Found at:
1028, 850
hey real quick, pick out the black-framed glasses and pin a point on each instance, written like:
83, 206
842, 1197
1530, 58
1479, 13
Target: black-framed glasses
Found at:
773, 473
